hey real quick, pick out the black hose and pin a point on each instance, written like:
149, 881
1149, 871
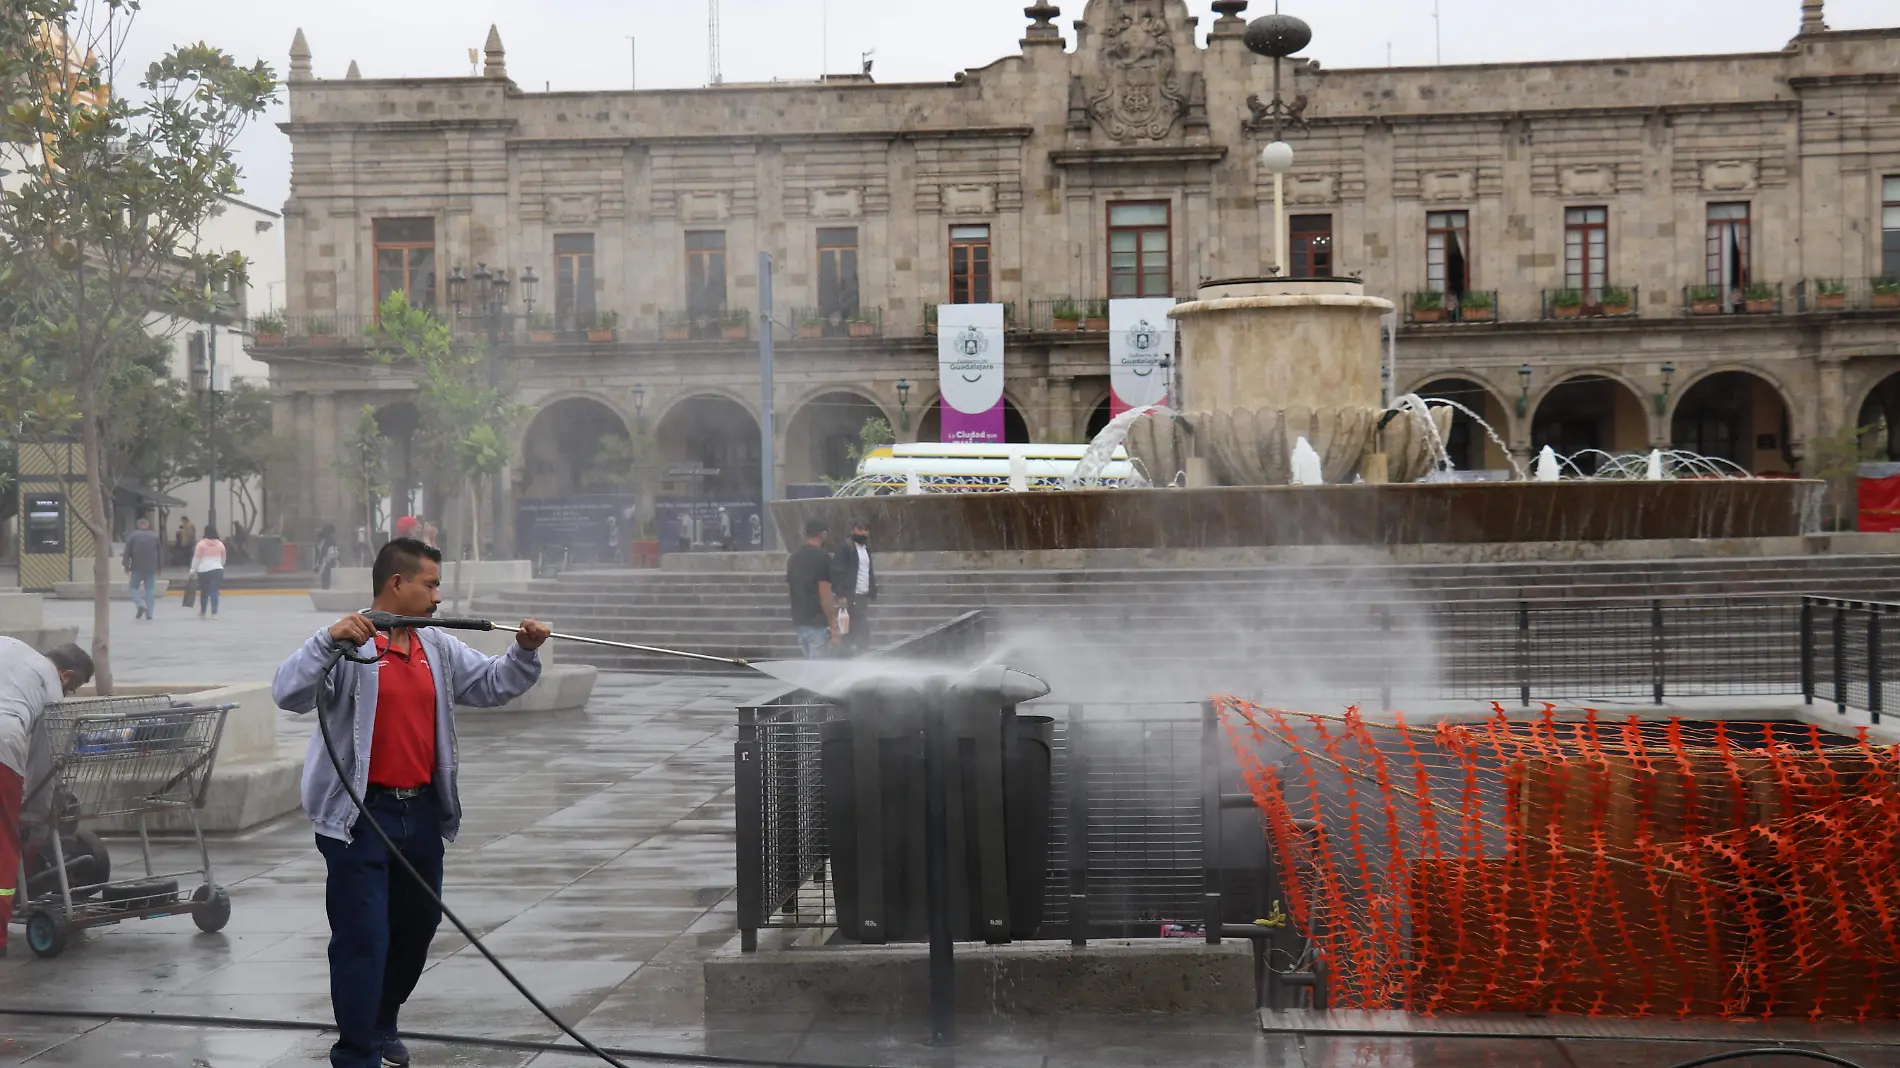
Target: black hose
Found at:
526, 1046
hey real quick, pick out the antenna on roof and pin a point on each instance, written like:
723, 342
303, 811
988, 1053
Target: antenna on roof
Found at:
474, 58
712, 42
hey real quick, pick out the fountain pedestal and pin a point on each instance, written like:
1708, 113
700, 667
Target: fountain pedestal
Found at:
1280, 343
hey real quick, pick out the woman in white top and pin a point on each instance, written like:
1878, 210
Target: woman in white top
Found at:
207, 564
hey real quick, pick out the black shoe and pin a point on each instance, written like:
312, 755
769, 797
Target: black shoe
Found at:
394, 1052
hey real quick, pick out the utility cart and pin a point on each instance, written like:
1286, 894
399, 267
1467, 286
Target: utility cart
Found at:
115, 758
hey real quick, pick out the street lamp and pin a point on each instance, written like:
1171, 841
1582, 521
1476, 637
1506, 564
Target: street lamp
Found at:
1668, 378
486, 294
1278, 36
1523, 390
903, 404
639, 402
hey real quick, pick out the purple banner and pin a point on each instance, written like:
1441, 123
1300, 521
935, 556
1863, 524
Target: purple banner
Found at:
970, 371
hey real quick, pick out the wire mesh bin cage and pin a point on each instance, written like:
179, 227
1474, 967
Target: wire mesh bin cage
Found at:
110, 758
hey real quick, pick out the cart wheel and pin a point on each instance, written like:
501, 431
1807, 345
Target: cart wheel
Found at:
46, 933
212, 908
86, 843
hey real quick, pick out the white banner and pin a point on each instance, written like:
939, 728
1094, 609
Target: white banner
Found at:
1140, 352
970, 371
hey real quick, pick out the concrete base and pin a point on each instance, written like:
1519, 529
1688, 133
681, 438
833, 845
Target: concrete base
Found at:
350, 586
1177, 976
120, 590
43, 638
563, 688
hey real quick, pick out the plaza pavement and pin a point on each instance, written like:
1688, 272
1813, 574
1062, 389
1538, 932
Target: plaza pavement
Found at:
597, 860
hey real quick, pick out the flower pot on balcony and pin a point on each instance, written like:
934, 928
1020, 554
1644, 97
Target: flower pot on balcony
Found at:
862, 330
682, 332
1427, 315
930, 329
1760, 307
322, 341
1066, 326
602, 337
732, 333
1831, 301
1705, 307
540, 337
811, 331
1566, 311
1097, 324
268, 340
1478, 315
1886, 300
1617, 309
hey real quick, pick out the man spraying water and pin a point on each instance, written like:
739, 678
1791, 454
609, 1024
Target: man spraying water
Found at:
394, 719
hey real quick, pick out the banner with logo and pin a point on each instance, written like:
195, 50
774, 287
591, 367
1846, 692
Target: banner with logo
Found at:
970, 371
1140, 352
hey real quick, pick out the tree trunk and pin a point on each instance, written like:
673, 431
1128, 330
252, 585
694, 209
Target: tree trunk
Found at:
101, 541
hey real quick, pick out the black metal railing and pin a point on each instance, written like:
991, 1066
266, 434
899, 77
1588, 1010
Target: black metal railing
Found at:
1433, 306
731, 324
1847, 651
1755, 298
1067, 315
813, 324
1593, 302
1847, 294
311, 331
1011, 321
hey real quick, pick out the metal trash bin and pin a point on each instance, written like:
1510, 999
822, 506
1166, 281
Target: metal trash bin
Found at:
999, 768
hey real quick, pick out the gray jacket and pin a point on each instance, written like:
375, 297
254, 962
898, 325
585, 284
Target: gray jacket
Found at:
462, 677
141, 552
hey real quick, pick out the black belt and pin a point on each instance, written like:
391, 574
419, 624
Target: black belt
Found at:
402, 793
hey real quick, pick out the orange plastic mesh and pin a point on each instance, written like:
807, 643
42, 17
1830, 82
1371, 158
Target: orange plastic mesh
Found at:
1593, 866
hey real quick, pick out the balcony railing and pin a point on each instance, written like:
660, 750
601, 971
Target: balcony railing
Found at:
1011, 322
1756, 298
310, 331
812, 324
1432, 306
733, 324
1065, 315
1600, 302
1847, 294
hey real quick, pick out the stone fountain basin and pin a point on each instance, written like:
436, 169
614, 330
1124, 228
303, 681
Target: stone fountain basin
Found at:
1451, 513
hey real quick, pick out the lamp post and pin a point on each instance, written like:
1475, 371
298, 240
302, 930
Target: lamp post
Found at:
212, 390
1278, 36
1523, 390
1662, 399
486, 294
903, 405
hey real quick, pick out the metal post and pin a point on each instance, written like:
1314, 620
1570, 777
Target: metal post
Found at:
1656, 647
749, 835
1807, 650
1385, 662
1873, 663
1078, 800
211, 406
767, 461
943, 971
1211, 874
1524, 653
1840, 659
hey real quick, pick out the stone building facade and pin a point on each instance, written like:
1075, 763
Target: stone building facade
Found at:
1608, 254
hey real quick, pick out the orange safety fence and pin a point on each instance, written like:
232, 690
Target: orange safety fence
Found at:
1589, 865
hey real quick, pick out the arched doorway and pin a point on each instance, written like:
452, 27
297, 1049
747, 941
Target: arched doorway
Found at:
1880, 418
1737, 416
823, 439
561, 455
1470, 448
1098, 419
709, 448
398, 423
1589, 412
1015, 427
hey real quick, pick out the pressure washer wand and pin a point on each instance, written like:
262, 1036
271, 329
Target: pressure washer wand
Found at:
388, 621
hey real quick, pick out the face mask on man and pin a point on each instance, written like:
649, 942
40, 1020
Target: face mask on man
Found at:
861, 539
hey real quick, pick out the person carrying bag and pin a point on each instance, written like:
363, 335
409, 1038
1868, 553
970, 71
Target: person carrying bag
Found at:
207, 571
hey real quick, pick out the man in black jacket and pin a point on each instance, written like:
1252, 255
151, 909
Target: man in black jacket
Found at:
854, 585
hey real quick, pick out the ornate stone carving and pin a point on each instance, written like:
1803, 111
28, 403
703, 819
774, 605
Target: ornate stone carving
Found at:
1731, 176
1139, 95
836, 203
704, 207
969, 199
573, 209
1312, 188
1294, 113
1447, 185
1590, 180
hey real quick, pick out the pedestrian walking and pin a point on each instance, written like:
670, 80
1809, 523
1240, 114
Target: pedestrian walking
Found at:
326, 554
207, 566
808, 574
854, 585
725, 530
141, 562
396, 728
29, 681
686, 530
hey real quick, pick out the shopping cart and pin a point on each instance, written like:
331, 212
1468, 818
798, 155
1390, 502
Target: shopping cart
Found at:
115, 757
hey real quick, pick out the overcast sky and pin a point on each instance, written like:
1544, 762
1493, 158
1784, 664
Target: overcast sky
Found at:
582, 44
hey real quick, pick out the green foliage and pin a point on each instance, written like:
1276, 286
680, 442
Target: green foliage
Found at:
362, 466
874, 434
621, 461
540, 321
1616, 297
1704, 294
605, 320
268, 323
1758, 291
1830, 287
1066, 311
1837, 458
1566, 298
1478, 298
1886, 286
1429, 300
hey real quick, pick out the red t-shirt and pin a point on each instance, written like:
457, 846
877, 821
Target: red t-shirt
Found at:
402, 752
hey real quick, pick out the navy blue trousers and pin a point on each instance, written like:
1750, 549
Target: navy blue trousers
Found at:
381, 923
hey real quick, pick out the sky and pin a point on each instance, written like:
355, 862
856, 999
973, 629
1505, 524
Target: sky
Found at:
583, 44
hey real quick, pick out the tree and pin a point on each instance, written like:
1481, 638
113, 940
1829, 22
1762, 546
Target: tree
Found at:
107, 198
240, 443
1837, 458
363, 469
874, 434
466, 423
